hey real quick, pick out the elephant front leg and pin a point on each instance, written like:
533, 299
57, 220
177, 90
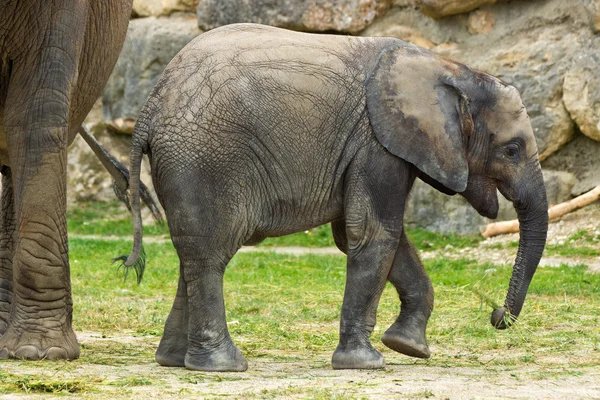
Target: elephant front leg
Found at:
7, 240
36, 123
407, 334
372, 231
39, 324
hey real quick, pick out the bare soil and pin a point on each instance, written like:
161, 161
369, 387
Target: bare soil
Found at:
297, 376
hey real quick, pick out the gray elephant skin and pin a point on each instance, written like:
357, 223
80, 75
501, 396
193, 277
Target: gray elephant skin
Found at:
255, 131
55, 58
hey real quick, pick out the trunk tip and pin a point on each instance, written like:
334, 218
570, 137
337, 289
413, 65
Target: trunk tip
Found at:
502, 318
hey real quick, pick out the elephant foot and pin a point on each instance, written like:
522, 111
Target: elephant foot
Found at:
48, 345
225, 357
407, 340
171, 352
357, 357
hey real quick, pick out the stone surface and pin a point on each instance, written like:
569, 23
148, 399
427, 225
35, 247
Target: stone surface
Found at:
581, 93
147, 8
581, 157
443, 8
593, 8
559, 186
349, 16
435, 211
480, 22
405, 33
150, 44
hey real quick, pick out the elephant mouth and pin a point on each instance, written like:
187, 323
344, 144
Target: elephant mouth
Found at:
484, 199
490, 210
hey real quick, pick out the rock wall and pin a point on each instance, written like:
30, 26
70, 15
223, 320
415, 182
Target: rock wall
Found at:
548, 49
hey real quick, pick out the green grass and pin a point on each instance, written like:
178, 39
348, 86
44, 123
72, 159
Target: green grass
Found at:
286, 309
30, 384
580, 244
292, 304
106, 219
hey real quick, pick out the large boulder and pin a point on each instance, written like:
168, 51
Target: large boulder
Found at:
593, 8
348, 16
147, 8
150, 44
443, 8
581, 157
581, 93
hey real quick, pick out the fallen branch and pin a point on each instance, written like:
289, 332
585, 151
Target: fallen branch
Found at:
557, 211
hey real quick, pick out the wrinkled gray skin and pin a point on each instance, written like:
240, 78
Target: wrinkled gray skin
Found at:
254, 132
55, 57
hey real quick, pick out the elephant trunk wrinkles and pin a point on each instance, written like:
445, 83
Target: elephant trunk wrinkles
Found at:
532, 211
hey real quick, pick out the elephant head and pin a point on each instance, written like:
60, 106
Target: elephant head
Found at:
469, 132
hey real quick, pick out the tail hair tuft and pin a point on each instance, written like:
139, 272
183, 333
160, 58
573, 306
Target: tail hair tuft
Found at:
139, 266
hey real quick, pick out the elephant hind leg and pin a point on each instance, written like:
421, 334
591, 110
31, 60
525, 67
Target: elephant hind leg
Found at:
209, 345
407, 334
174, 343
205, 238
7, 242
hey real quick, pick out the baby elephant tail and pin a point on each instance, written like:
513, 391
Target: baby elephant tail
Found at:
137, 257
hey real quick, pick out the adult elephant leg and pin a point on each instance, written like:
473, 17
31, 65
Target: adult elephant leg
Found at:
174, 343
373, 227
407, 334
7, 241
36, 119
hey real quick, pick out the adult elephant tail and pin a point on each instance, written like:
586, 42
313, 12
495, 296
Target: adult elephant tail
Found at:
137, 257
120, 175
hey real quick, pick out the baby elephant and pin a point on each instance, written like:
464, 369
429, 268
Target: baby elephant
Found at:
254, 131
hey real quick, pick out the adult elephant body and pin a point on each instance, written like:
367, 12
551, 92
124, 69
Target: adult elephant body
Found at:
56, 56
255, 131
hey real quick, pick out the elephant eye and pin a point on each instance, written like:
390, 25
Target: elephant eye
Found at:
512, 151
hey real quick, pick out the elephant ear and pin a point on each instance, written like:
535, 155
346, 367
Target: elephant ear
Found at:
419, 114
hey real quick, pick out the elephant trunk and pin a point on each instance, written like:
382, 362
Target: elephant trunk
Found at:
532, 211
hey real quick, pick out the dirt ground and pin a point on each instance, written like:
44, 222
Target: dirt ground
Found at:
296, 377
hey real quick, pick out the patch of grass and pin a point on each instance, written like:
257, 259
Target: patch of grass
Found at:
290, 391
290, 304
40, 384
131, 381
107, 219
317, 237
426, 240
571, 250
582, 243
